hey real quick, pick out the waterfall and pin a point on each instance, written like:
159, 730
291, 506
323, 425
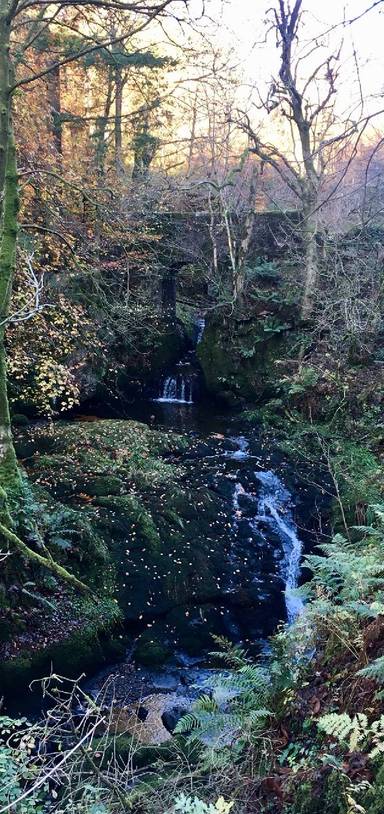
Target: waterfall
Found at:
176, 389
274, 509
200, 327
238, 490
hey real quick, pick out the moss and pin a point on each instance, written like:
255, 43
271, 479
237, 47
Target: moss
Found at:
19, 420
239, 356
151, 652
104, 485
84, 649
120, 747
136, 513
325, 793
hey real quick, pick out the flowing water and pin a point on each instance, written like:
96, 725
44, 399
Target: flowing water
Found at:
261, 558
177, 389
275, 511
256, 544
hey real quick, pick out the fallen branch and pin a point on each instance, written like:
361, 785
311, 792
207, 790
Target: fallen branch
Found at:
46, 562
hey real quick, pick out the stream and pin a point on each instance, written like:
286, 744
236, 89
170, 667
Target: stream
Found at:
262, 545
235, 553
263, 549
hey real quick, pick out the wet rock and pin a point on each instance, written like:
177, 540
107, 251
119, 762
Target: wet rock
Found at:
248, 505
144, 721
171, 716
151, 651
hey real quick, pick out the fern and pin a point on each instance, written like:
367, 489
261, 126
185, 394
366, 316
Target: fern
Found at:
237, 703
194, 805
374, 670
349, 573
355, 732
232, 654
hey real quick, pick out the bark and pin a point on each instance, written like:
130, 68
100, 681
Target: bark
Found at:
54, 101
46, 562
10, 480
9, 473
101, 128
193, 134
4, 91
243, 254
311, 260
118, 118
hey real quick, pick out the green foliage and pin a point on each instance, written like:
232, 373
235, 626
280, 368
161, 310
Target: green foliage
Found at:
17, 770
304, 380
44, 367
193, 805
352, 572
236, 704
355, 732
265, 271
272, 325
375, 669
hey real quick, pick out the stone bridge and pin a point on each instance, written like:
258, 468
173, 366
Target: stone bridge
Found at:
182, 240
188, 238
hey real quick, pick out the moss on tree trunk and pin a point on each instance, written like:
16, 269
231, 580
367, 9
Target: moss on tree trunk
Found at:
9, 473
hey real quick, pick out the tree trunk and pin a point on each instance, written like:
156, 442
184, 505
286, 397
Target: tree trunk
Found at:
54, 101
9, 473
4, 92
311, 262
118, 117
101, 128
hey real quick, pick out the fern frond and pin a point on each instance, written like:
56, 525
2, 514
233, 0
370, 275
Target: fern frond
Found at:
374, 670
232, 654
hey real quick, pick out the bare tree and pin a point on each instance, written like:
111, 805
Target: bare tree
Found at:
303, 97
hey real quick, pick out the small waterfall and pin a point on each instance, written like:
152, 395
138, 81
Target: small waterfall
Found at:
238, 490
274, 509
200, 327
176, 389
243, 448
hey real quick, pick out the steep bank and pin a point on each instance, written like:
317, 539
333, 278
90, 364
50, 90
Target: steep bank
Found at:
240, 352
41, 620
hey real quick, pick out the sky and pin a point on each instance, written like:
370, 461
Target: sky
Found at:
241, 25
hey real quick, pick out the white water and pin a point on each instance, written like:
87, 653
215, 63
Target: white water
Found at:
274, 509
200, 327
239, 490
176, 390
243, 449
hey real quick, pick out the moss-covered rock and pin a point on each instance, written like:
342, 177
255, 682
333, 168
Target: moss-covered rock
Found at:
76, 638
152, 652
239, 355
116, 512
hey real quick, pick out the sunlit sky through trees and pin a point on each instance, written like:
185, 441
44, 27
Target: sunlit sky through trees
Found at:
243, 27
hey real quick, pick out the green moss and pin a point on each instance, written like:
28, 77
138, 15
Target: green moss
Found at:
19, 420
84, 649
134, 511
151, 652
104, 485
239, 356
324, 793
